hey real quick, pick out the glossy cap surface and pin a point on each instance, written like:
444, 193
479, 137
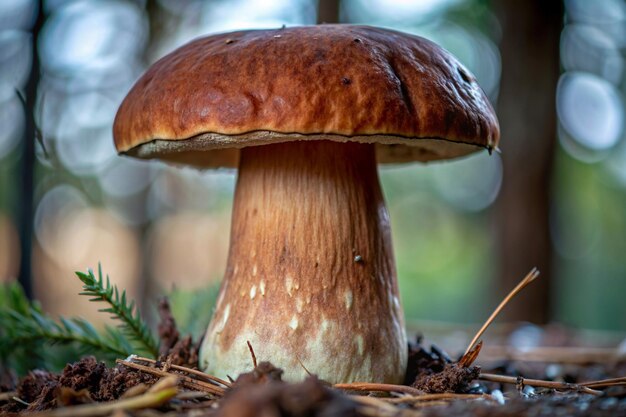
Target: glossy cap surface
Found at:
203, 102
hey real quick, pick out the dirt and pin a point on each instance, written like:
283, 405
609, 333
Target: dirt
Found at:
570, 405
434, 372
264, 372
41, 389
263, 393
274, 398
37, 389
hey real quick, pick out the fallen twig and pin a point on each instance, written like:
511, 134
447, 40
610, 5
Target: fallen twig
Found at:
195, 372
564, 386
186, 381
375, 407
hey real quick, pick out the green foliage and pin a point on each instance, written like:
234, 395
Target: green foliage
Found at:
193, 309
131, 323
31, 339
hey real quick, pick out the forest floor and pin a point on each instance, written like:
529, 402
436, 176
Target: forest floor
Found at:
529, 371
556, 381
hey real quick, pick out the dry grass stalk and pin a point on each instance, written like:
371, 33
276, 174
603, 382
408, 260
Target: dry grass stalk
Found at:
563, 386
158, 394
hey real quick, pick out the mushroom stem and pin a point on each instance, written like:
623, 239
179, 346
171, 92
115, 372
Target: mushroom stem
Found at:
310, 279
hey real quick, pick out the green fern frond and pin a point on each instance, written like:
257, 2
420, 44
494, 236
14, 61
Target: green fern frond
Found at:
131, 323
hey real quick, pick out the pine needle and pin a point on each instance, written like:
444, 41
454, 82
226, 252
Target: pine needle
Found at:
196, 373
530, 277
131, 322
367, 387
185, 380
252, 354
563, 386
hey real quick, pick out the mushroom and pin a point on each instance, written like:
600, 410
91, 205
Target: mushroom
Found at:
305, 113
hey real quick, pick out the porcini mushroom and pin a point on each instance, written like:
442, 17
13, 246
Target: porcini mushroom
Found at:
305, 113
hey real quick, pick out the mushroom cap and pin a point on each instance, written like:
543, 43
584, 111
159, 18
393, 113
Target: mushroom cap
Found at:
203, 102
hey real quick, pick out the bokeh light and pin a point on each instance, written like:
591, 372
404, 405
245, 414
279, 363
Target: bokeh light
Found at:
17, 14
587, 48
590, 110
189, 249
73, 238
394, 12
470, 184
87, 38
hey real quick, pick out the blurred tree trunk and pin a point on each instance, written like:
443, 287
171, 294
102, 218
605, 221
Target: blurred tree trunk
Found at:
148, 290
328, 11
527, 113
27, 164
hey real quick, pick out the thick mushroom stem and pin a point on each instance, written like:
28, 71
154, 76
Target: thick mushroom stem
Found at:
310, 280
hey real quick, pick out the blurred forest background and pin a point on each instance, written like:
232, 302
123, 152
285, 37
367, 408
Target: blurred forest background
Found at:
464, 232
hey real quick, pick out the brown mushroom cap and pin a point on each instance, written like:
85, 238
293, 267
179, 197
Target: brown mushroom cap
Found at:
203, 102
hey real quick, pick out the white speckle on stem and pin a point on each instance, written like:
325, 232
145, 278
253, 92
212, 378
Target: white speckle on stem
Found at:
225, 315
326, 325
358, 339
348, 299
